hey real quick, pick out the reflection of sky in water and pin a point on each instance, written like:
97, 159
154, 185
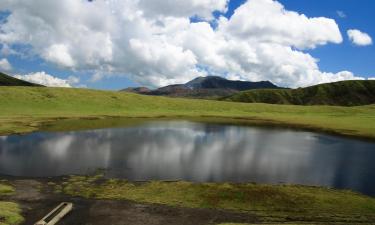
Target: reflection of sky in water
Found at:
197, 152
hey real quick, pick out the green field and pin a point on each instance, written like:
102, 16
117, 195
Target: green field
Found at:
25, 109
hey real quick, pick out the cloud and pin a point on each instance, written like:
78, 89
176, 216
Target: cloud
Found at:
182, 8
5, 65
59, 54
371, 78
341, 14
48, 80
269, 21
359, 38
154, 43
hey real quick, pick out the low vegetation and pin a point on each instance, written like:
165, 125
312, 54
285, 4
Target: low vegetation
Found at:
270, 203
25, 109
10, 212
344, 93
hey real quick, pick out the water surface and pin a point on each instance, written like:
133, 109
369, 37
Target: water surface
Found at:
168, 150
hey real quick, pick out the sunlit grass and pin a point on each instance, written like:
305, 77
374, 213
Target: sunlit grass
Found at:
24, 108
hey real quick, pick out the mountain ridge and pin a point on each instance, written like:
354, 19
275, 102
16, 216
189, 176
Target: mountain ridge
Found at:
204, 87
341, 93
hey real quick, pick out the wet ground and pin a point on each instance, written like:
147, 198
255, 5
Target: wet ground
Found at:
36, 201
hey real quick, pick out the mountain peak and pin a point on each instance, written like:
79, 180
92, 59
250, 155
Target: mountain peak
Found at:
214, 82
206, 87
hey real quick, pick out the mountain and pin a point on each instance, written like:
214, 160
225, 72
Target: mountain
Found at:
6, 80
343, 93
210, 87
139, 90
215, 82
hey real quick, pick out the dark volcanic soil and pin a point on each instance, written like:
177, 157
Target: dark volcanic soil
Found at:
36, 202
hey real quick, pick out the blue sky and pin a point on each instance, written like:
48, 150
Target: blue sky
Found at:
332, 57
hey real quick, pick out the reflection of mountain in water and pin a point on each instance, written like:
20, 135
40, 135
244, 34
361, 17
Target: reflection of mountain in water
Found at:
197, 152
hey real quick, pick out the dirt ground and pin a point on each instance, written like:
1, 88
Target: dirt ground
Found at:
36, 202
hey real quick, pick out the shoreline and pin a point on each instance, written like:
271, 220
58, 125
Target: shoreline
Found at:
240, 203
40, 124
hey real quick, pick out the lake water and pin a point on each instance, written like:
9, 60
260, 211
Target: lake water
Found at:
169, 150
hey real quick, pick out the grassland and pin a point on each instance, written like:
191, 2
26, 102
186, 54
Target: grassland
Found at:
344, 93
10, 213
270, 203
25, 109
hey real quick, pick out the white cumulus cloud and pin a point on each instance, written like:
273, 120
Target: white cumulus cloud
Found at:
48, 80
359, 38
5, 65
269, 21
182, 8
154, 42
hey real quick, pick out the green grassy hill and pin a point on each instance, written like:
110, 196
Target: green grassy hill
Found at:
6, 80
344, 93
23, 109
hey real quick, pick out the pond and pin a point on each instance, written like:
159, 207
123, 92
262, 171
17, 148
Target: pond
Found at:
199, 152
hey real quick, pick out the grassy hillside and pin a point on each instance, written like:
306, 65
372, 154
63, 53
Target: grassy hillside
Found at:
344, 93
24, 108
6, 80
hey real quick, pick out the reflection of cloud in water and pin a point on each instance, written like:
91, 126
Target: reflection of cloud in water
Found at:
193, 151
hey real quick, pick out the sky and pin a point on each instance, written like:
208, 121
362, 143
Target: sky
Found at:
114, 44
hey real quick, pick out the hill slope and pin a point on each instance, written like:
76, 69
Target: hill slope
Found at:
6, 80
204, 87
343, 93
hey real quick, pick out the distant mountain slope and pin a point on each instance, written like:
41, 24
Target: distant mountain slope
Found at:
204, 87
214, 82
138, 90
343, 93
6, 80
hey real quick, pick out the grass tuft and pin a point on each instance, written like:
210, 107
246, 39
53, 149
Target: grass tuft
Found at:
10, 212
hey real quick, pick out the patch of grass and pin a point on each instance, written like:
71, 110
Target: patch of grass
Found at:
6, 189
10, 212
25, 109
280, 203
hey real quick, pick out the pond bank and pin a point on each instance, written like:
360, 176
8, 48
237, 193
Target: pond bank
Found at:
102, 201
24, 125
27, 109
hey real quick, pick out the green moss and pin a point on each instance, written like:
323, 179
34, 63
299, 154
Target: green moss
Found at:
270, 202
10, 213
6, 189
